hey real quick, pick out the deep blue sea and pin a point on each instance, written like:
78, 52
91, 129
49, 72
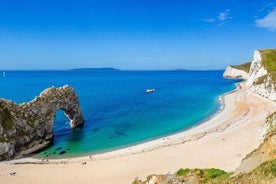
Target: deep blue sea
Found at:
117, 110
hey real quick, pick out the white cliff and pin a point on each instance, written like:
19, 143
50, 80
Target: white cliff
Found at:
232, 72
260, 80
265, 86
256, 69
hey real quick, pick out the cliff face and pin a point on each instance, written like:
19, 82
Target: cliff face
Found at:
28, 127
232, 72
260, 73
261, 79
256, 69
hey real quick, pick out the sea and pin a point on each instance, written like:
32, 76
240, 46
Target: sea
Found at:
117, 109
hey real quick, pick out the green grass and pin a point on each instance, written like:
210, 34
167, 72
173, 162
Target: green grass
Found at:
213, 173
182, 172
269, 59
214, 176
244, 67
265, 173
269, 168
205, 175
262, 79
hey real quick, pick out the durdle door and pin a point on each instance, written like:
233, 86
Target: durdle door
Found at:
28, 127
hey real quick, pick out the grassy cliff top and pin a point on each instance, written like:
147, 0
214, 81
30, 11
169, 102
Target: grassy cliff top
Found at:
244, 67
269, 59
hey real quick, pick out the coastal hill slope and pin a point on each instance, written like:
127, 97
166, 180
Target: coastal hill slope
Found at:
259, 166
28, 127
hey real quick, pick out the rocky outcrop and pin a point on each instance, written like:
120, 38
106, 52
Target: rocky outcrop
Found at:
256, 69
261, 80
232, 72
265, 86
28, 127
260, 73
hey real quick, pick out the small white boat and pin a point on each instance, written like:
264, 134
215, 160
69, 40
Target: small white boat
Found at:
150, 90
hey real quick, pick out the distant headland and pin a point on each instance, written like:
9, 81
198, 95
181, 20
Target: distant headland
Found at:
95, 69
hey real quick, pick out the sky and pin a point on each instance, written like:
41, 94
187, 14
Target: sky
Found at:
133, 34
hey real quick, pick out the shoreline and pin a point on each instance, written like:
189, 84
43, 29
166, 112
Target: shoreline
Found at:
138, 148
218, 142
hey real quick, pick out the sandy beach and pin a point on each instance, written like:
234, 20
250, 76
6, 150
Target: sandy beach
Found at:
220, 142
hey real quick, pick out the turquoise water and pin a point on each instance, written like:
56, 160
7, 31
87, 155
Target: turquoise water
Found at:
117, 111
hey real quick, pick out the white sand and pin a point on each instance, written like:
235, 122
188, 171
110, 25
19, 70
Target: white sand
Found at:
220, 142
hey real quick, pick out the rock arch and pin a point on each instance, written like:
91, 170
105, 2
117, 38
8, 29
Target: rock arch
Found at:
28, 127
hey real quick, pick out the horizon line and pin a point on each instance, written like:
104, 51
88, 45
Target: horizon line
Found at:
106, 69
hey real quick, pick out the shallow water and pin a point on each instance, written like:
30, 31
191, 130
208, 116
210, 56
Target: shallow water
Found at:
117, 110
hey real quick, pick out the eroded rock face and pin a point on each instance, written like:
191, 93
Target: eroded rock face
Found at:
257, 69
231, 72
260, 80
28, 127
265, 86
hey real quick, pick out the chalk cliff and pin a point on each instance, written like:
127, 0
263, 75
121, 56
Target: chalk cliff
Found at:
28, 127
232, 72
256, 69
260, 73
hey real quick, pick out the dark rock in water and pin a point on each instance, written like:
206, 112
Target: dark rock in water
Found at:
28, 127
62, 152
54, 152
59, 148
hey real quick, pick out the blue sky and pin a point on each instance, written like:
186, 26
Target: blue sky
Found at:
133, 34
